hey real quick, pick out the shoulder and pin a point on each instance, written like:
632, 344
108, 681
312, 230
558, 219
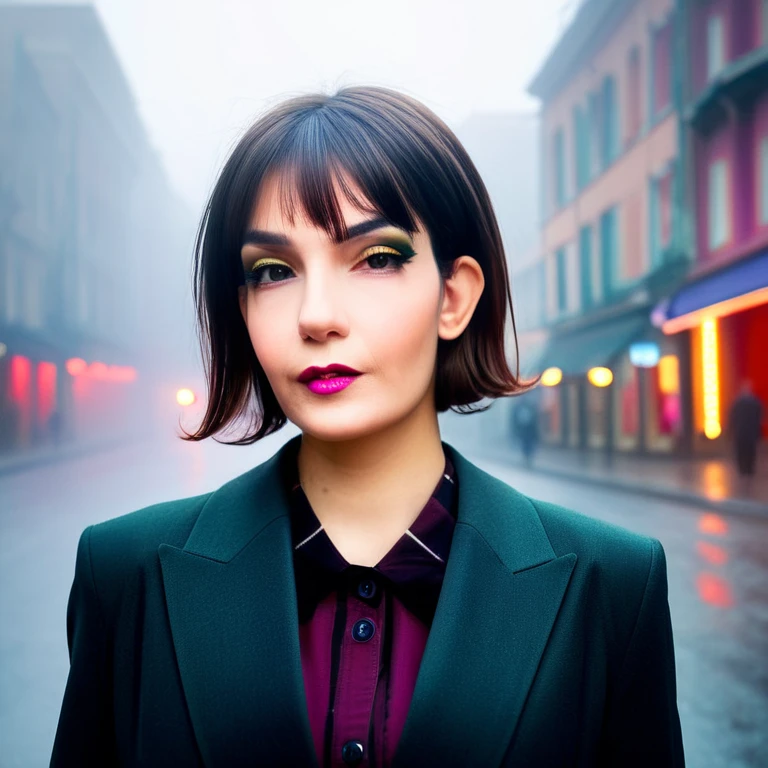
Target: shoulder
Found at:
624, 567
168, 522
591, 538
116, 553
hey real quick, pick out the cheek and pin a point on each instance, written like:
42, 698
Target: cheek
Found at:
268, 323
401, 327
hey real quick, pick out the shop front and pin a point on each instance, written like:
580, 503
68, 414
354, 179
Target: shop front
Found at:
724, 319
615, 386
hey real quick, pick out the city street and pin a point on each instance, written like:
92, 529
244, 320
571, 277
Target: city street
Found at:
718, 586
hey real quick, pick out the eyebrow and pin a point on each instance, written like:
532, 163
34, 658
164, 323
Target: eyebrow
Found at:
262, 237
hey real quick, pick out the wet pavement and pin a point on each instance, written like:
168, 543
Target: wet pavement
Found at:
718, 585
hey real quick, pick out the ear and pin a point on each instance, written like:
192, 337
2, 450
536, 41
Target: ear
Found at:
242, 296
461, 292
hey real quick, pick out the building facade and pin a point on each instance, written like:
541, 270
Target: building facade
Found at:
615, 231
722, 310
84, 255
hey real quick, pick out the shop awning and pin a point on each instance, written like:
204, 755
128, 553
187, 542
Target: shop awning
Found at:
575, 352
733, 289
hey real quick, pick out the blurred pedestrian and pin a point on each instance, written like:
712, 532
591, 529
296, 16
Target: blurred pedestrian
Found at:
745, 426
526, 426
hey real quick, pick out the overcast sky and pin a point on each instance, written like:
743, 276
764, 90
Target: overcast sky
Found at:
201, 70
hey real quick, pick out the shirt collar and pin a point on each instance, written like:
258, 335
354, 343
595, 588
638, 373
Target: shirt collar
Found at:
413, 569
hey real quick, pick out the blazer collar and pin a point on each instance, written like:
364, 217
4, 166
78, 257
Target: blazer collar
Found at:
234, 620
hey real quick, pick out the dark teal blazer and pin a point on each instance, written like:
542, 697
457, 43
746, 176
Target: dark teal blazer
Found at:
551, 643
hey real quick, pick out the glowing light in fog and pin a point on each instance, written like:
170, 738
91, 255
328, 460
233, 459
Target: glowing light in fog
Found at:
185, 397
551, 377
600, 377
76, 366
712, 428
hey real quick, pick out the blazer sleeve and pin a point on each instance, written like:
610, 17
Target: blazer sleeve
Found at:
85, 734
642, 725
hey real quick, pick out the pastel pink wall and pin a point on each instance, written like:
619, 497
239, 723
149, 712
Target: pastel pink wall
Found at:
625, 183
737, 141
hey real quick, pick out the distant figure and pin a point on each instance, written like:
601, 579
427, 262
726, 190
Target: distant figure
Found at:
744, 423
526, 426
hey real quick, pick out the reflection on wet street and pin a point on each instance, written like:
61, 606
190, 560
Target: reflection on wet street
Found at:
717, 565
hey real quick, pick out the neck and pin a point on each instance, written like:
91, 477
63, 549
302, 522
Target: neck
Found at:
367, 492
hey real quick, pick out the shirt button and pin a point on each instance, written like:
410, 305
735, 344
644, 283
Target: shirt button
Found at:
363, 631
352, 752
366, 588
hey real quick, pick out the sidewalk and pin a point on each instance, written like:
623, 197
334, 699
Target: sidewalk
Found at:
710, 483
48, 454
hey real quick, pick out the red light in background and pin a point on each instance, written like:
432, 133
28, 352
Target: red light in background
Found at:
78, 367
21, 378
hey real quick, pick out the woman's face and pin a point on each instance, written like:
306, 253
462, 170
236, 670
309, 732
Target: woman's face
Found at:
371, 303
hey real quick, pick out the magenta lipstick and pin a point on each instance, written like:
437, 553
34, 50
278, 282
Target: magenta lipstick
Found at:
328, 380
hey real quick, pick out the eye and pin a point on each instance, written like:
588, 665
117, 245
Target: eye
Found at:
268, 271
381, 257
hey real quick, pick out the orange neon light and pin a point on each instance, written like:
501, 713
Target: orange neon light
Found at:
669, 375
711, 378
721, 309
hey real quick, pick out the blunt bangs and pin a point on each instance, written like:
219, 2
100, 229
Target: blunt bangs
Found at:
406, 166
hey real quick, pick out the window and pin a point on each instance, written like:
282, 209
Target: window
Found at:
562, 285
610, 122
715, 45
585, 267
634, 98
661, 72
764, 180
718, 204
593, 130
608, 251
764, 10
660, 215
581, 146
558, 154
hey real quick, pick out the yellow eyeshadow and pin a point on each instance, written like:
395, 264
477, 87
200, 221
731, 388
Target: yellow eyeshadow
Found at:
267, 262
374, 249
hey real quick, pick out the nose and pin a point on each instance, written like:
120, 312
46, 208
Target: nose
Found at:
322, 314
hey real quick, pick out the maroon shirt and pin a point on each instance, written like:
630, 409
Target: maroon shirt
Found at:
363, 630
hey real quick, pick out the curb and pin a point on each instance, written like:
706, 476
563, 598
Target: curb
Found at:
727, 506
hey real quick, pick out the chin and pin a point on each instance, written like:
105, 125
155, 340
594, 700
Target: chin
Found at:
342, 424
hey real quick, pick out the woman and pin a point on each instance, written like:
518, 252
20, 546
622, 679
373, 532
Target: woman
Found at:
367, 596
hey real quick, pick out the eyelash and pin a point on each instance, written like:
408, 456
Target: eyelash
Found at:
400, 256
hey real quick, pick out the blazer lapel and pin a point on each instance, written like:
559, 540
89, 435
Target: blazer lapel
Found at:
501, 593
234, 621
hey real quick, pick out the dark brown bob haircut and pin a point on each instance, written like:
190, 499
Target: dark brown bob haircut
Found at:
413, 172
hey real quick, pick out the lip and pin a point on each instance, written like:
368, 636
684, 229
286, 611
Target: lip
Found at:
314, 372
320, 382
